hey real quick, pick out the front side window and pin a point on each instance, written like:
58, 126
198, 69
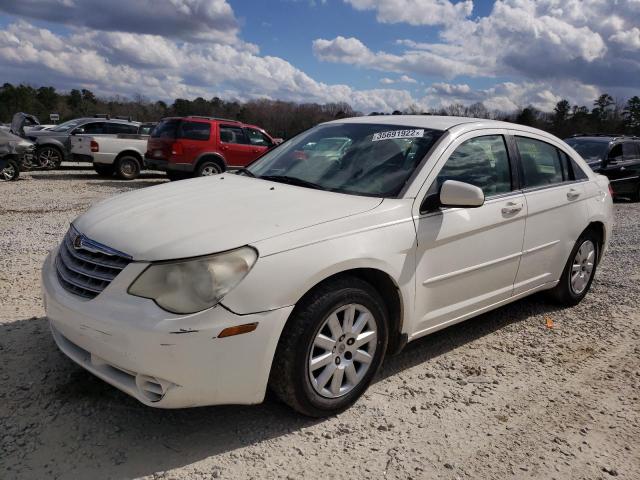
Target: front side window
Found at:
630, 151
481, 161
95, 128
194, 130
258, 138
355, 158
541, 163
230, 134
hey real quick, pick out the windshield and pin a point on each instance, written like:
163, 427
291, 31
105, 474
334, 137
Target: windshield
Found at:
356, 158
590, 150
63, 127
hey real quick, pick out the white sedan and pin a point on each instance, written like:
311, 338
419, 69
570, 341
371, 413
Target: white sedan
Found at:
301, 272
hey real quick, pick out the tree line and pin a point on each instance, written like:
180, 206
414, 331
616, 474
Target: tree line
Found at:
285, 119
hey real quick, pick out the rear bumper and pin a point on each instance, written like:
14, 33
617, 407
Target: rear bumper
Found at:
166, 165
161, 359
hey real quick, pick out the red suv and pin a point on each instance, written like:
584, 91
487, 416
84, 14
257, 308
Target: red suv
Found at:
199, 146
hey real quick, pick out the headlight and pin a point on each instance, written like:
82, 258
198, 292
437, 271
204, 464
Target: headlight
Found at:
191, 286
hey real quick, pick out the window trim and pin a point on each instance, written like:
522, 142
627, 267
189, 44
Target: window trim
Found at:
526, 189
223, 125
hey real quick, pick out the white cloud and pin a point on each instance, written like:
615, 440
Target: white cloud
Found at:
416, 12
115, 63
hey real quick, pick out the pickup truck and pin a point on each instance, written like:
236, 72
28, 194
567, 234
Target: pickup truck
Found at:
122, 154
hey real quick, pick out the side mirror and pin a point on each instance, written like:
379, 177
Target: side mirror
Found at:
278, 141
78, 131
461, 194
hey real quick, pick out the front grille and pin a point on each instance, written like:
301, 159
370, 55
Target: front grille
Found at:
85, 267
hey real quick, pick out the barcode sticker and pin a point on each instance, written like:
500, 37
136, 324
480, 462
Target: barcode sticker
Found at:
410, 133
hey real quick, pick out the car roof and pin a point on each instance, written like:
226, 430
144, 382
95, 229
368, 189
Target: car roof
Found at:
438, 122
109, 120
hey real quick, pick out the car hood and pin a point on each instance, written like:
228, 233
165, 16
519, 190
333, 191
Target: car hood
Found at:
210, 214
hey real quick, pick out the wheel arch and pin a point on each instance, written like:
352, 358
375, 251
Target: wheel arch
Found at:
600, 230
216, 157
131, 153
389, 291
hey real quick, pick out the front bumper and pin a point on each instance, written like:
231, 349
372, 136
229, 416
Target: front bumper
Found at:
163, 360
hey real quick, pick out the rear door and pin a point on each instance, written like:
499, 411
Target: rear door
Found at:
236, 147
557, 212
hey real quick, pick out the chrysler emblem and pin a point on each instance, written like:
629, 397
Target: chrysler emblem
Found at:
77, 242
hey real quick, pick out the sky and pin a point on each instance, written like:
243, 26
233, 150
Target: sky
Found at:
377, 55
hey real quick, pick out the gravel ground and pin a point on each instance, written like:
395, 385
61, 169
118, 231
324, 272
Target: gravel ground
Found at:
500, 396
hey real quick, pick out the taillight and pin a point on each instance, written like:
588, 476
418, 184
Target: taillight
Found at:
94, 146
176, 148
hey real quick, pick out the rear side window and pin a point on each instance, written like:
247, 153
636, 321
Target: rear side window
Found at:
481, 161
194, 130
541, 163
230, 134
166, 129
117, 128
572, 170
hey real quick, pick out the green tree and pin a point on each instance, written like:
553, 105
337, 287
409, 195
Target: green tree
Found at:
602, 106
631, 114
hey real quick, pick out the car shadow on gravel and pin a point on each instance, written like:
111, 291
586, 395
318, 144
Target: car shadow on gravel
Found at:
58, 419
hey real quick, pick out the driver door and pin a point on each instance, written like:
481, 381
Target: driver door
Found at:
467, 258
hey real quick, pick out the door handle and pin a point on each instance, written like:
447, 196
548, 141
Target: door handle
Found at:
512, 207
572, 194
224, 147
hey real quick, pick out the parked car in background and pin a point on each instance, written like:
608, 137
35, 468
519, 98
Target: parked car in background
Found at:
122, 154
302, 273
200, 146
54, 146
15, 153
616, 156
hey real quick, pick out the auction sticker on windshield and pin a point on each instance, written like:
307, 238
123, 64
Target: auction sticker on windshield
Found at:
410, 133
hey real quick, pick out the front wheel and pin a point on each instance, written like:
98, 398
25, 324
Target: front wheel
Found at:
11, 171
331, 348
579, 271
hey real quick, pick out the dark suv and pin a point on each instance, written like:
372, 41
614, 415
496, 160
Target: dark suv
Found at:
54, 146
198, 146
616, 156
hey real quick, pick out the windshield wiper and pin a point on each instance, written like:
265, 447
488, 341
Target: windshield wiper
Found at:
246, 171
291, 181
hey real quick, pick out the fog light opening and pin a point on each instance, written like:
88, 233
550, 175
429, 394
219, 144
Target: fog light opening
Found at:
151, 388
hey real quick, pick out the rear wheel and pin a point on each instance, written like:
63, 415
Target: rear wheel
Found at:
103, 170
579, 271
11, 171
208, 168
49, 157
331, 348
128, 167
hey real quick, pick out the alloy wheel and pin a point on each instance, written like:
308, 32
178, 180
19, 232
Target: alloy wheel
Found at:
342, 350
582, 267
209, 169
49, 158
9, 172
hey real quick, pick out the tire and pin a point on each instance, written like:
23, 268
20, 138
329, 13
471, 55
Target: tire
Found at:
49, 157
11, 172
208, 168
128, 167
582, 260
173, 176
103, 170
292, 377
